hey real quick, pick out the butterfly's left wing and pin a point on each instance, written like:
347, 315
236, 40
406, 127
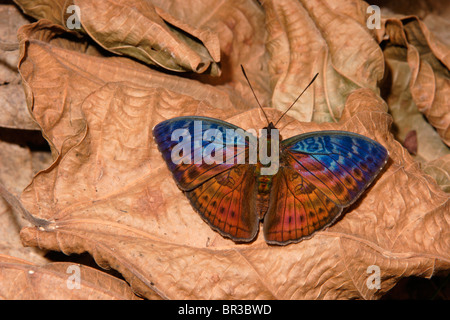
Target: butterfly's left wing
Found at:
221, 190
321, 174
182, 142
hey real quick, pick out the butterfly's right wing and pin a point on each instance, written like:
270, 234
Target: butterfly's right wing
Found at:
222, 193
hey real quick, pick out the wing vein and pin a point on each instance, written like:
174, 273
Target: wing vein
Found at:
348, 150
331, 190
344, 167
211, 168
331, 172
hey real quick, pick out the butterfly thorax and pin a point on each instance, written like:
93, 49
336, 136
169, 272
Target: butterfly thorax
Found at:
264, 185
264, 181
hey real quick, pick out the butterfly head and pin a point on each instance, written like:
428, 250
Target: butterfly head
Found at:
269, 130
270, 126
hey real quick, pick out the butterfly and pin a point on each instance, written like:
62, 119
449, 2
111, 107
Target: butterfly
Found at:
298, 188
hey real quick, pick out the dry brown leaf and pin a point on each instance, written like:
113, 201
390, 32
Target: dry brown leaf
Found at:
16, 171
429, 62
239, 28
137, 29
13, 108
439, 169
109, 192
17, 164
406, 115
419, 86
433, 13
22, 280
305, 38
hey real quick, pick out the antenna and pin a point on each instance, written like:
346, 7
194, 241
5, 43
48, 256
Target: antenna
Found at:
297, 98
245, 75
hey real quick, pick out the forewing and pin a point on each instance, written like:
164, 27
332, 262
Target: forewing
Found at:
190, 170
321, 174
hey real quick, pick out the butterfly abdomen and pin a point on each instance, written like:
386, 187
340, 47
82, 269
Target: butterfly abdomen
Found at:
263, 185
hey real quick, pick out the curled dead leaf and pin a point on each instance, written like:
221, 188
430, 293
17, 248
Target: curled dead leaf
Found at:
305, 38
13, 108
148, 33
22, 280
407, 66
12, 182
439, 169
428, 59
